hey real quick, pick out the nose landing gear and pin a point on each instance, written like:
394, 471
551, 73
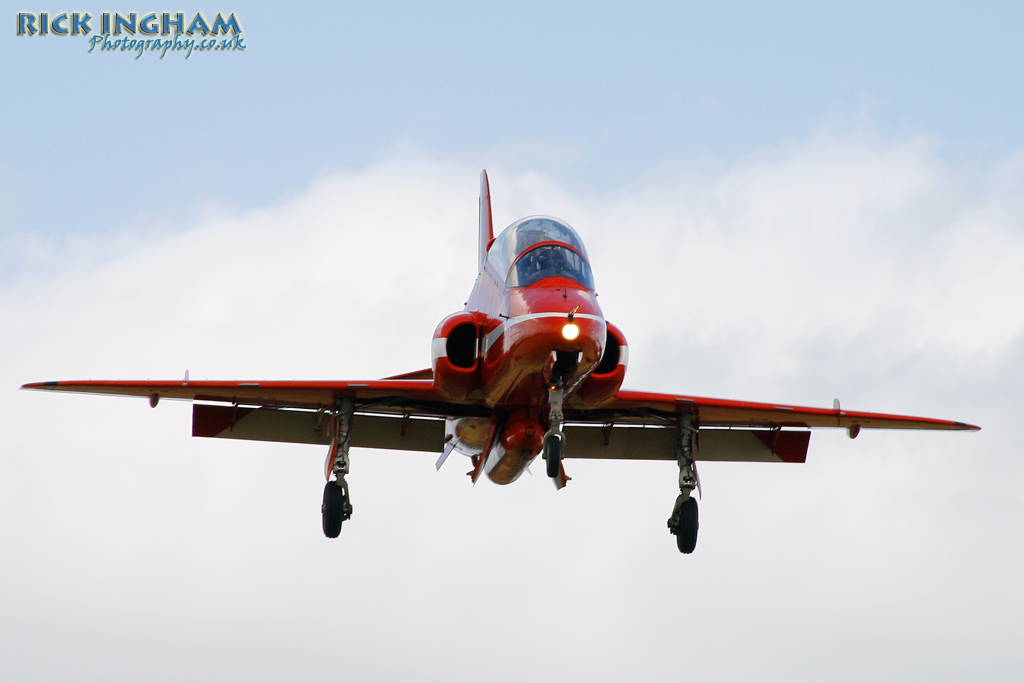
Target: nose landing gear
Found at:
553, 439
683, 523
553, 455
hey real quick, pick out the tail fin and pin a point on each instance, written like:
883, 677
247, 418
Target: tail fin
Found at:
486, 225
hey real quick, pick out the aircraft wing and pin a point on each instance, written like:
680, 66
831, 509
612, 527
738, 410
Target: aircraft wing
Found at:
640, 407
640, 425
418, 396
402, 396
405, 414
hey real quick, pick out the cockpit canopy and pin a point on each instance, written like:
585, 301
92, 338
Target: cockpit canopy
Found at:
537, 247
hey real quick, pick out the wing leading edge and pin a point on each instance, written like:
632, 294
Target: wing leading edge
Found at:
403, 396
635, 426
419, 396
725, 413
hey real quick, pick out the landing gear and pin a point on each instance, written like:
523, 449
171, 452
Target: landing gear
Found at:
553, 440
337, 507
553, 454
683, 522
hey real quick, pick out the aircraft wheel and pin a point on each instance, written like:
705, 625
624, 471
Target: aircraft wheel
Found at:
333, 509
553, 454
686, 526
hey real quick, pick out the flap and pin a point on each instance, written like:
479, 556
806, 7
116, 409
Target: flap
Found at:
659, 443
304, 426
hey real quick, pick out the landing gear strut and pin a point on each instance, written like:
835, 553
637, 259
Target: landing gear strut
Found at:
553, 439
337, 507
683, 523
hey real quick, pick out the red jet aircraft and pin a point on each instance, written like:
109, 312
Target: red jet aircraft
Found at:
529, 367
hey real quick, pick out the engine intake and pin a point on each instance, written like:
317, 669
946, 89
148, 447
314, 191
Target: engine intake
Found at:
604, 382
455, 355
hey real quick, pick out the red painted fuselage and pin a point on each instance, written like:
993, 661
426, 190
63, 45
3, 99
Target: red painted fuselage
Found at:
531, 322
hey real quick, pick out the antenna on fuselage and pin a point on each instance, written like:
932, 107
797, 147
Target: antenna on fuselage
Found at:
486, 224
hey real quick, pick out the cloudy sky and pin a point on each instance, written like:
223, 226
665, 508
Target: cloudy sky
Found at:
787, 202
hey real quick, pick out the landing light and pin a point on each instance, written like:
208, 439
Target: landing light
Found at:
570, 331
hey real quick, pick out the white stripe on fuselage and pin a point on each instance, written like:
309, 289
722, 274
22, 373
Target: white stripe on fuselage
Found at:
438, 348
496, 333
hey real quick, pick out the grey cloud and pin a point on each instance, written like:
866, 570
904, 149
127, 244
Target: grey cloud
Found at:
837, 265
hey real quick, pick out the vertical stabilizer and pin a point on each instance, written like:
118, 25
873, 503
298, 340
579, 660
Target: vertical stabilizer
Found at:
486, 225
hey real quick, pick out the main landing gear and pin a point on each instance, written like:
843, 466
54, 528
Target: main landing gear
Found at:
337, 507
683, 523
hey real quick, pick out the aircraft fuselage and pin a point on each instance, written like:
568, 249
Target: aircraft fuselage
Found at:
538, 328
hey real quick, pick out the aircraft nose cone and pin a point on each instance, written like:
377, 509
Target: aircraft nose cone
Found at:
583, 335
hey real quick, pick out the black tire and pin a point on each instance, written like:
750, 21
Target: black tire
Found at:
686, 529
553, 454
332, 509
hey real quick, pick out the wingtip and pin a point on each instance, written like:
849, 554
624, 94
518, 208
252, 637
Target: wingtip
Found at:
39, 385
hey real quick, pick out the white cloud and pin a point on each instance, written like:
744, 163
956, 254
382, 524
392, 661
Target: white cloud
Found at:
838, 265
